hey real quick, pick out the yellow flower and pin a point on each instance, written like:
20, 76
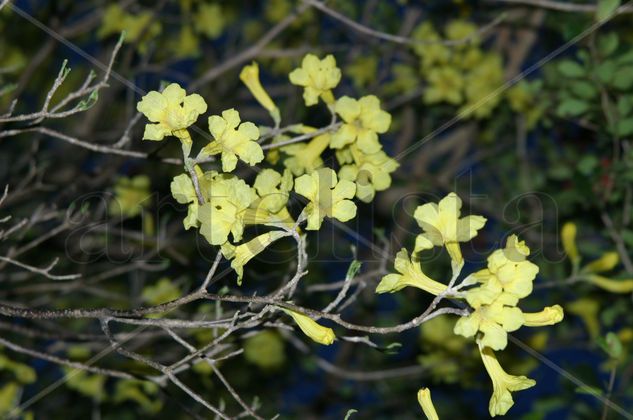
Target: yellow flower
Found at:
183, 191
460, 30
430, 49
410, 275
523, 99
568, 236
243, 253
445, 85
161, 292
328, 197
443, 226
185, 45
233, 140
250, 77
612, 285
494, 321
273, 189
269, 208
139, 29
503, 384
112, 23
606, 262
424, 398
550, 315
306, 158
362, 70
209, 20
172, 111
370, 172
265, 350
520, 99
509, 270
588, 310
437, 333
228, 199
480, 85
318, 77
130, 196
363, 120
311, 328
625, 335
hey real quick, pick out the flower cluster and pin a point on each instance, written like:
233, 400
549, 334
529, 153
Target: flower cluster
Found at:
327, 197
142, 29
139, 28
460, 74
131, 196
358, 149
491, 293
507, 279
222, 205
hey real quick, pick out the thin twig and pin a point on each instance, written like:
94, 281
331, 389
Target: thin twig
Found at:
560, 5
46, 271
396, 38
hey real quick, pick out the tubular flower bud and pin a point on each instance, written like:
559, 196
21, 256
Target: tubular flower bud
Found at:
320, 334
568, 236
250, 77
550, 315
424, 398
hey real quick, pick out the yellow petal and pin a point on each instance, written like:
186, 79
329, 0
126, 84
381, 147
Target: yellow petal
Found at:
311, 328
612, 285
606, 262
550, 315
568, 236
503, 383
250, 77
246, 251
410, 275
424, 398
587, 309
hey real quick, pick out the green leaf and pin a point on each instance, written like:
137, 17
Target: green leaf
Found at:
624, 127
7, 88
349, 413
611, 345
623, 78
625, 58
587, 164
353, 269
88, 102
560, 172
583, 89
624, 105
605, 71
608, 43
569, 68
606, 9
392, 348
627, 235
571, 107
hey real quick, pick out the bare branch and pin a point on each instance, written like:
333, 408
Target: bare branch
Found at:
396, 38
561, 6
46, 271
